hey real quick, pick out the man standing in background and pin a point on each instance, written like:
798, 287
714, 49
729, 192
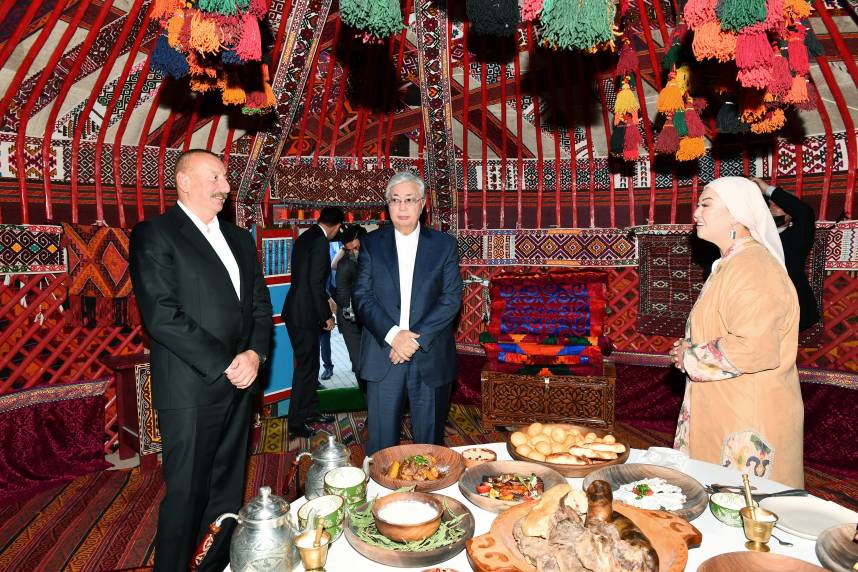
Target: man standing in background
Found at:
307, 313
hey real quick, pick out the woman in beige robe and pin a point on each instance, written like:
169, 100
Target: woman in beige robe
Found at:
742, 406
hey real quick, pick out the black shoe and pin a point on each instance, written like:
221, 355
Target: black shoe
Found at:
302, 430
319, 418
327, 374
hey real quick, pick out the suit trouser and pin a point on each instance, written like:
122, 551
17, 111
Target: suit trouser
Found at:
204, 461
351, 332
429, 407
304, 401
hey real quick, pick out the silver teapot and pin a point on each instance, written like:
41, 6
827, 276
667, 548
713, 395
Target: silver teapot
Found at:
263, 540
327, 455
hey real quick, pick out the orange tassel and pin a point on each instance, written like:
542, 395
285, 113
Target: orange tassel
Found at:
795, 10
204, 35
163, 8
670, 98
773, 121
798, 92
710, 42
270, 100
174, 29
751, 106
233, 94
690, 148
203, 84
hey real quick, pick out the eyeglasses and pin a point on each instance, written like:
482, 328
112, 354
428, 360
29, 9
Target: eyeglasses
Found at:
395, 202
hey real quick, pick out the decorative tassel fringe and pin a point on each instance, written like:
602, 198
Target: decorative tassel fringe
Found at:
811, 42
204, 35
756, 78
164, 8
628, 62
249, 48
781, 77
530, 10
727, 120
772, 121
631, 142
229, 57
574, 24
493, 17
752, 106
626, 101
753, 49
699, 12
812, 99
798, 92
690, 148
735, 15
774, 17
700, 104
796, 10
667, 141
225, 7
168, 60
232, 93
679, 123
670, 98
258, 8
379, 18
711, 42
797, 52
618, 138
174, 29
694, 123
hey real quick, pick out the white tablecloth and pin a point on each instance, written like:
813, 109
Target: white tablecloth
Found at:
717, 537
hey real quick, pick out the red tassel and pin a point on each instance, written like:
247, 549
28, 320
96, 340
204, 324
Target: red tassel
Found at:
667, 141
812, 99
258, 8
798, 60
631, 142
700, 104
781, 77
757, 78
699, 12
249, 48
798, 92
774, 16
628, 62
753, 49
695, 125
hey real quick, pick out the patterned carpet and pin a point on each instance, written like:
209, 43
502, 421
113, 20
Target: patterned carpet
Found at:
106, 521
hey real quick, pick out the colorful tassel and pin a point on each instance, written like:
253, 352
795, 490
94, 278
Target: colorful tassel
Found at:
232, 93
700, 104
626, 101
774, 16
174, 29
618, 138
493, 17
168, 60
798, 92
385, 16
249, 47
699, 12
756, 78
631, 142
667, 141
530, 10
796, 10
753, 49
694, 123
727, 120
683, 79
711, 42
812, 99
670, 98
679, 123
628, 62
752, 106
229, 57
226, 7
574, 24
204, 35
258, 8
690, 148
736, 15
811, 42
164, 8
772, 121
797, 53
781, 76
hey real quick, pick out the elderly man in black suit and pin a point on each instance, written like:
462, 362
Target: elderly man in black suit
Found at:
408, 293
307, 312
205, 306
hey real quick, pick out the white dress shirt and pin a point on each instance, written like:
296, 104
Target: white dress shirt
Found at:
215, 237
406, 254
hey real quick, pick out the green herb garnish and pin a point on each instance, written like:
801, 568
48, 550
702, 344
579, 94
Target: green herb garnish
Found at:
363, 525
419, 460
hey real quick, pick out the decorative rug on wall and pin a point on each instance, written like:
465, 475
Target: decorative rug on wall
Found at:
31, 249
815, 270
99, 276
670, 282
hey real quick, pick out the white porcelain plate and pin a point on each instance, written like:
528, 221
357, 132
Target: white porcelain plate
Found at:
807, 517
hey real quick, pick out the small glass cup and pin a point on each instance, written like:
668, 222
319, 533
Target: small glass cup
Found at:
758, 524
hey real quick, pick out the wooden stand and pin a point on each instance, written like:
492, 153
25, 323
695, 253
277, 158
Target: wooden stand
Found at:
138, 424
510, 399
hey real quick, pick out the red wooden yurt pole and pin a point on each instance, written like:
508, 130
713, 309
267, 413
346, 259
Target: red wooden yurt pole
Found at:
799, 169
192, 124
466, 86
326, 92
484, 140
519, 133
829, 154
388, 139
120, 132
162, 154
573, 157
555, 106
606, 122
537, 122
212, 132
19, 32
338, 115
503, 130
141, 145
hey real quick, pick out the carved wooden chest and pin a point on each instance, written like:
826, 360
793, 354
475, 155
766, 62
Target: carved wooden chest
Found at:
512, 399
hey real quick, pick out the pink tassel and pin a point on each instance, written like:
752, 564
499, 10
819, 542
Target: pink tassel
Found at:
695, 125
700, 104
757, 78
798, 53
699, 12
812, 99
753, 49
249, 48
530, 10
628, 62
774, 16
631, 142
667, 141
781, 77
258, 8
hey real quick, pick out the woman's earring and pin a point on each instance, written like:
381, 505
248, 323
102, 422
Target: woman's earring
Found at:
732, 234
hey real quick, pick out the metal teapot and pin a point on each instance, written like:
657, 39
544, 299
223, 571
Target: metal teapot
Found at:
327, 455
263, 540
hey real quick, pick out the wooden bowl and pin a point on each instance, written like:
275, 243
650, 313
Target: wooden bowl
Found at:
486, 456
475, 475
408, 532
669, 535
756, 562
572, 470
450, 463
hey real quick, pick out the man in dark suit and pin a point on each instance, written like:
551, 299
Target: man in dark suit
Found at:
350, 327
205, 306
308, 312
796, 224
408, 292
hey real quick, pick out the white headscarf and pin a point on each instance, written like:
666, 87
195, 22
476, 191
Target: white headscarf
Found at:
745, 202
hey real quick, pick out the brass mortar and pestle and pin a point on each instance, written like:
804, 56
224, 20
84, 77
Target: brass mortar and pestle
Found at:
757, 522
313, 545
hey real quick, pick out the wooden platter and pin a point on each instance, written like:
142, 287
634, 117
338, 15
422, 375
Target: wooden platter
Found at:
756, 562
835, 549
572, 470
475, 475
403, 559
497, 551
450, 463
696, 498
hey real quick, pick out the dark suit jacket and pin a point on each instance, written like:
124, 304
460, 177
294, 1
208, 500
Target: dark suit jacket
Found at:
346, 274
306, 304
436, 296
195, 322
797, 241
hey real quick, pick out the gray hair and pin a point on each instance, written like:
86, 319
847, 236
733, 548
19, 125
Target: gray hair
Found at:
405, 177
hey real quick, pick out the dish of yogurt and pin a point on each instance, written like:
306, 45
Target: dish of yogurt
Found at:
651, 494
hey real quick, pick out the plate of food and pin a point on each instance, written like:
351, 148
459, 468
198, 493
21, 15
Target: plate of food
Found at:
371, 525
571, 450
653, 487
498, 485
575, 530
424, 467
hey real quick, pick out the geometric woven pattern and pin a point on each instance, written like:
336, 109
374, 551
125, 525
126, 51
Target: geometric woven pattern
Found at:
98, 261
147, 417
304, 184
276, 254
546, 247
841, 251
31, 249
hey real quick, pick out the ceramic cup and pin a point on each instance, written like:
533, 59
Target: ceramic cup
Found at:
347, 482
330, 509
